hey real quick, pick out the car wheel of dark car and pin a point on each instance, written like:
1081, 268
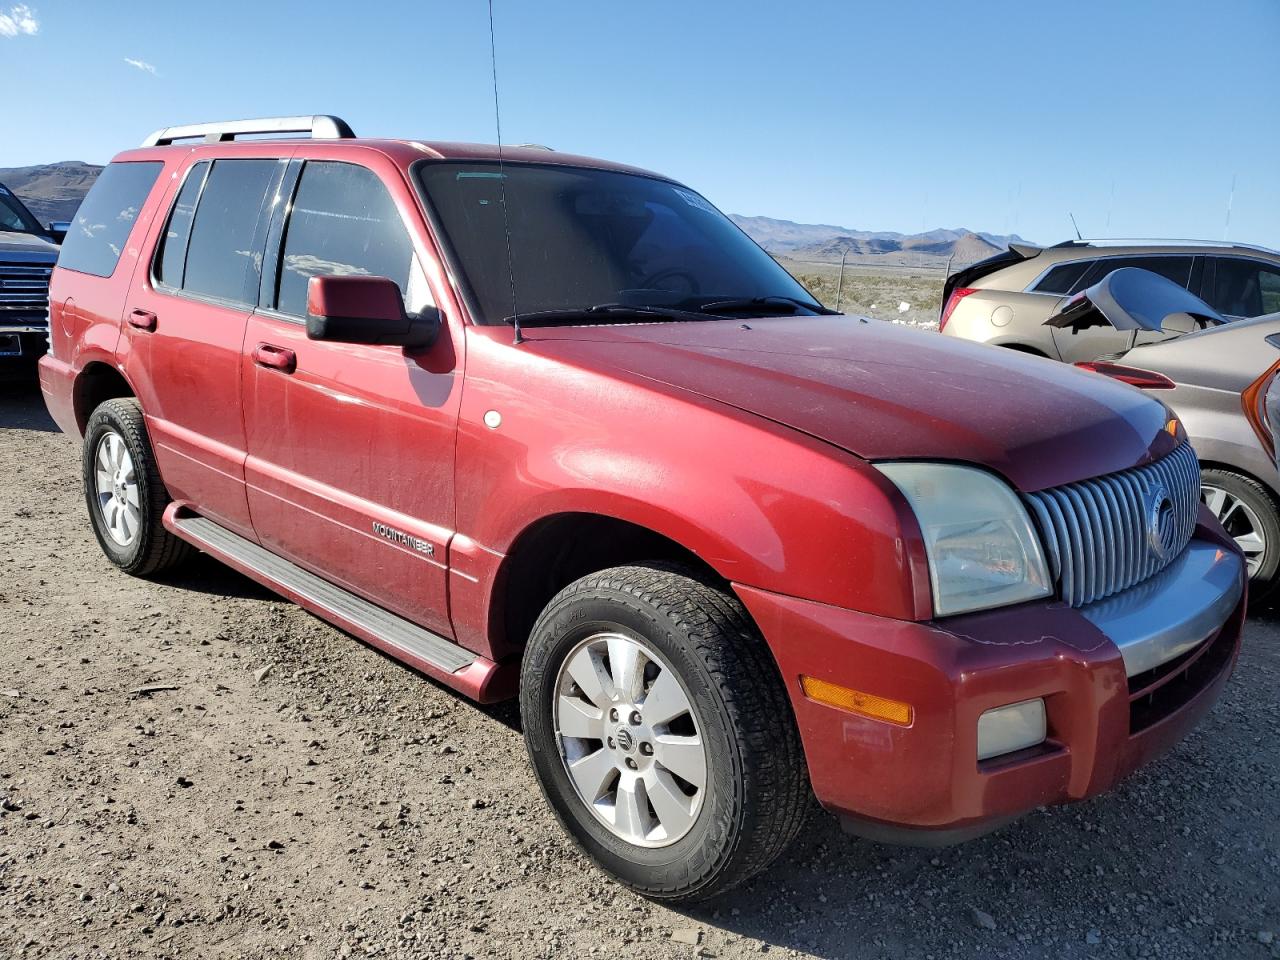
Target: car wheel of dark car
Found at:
124, 493
1250, 516
660, 732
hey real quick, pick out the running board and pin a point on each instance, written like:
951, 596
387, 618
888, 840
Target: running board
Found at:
429, 652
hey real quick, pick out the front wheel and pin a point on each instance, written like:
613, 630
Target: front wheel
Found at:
660, 732
1249, 515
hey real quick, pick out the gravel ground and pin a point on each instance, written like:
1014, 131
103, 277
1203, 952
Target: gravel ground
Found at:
292, 793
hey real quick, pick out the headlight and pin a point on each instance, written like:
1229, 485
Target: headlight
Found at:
983, 550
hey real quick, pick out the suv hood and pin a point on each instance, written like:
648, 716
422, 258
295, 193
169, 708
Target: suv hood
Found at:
28, 246
885, 392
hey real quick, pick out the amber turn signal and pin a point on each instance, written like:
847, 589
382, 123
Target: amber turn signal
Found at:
855, 701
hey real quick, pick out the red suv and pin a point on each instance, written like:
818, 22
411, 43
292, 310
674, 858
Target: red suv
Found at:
545, 426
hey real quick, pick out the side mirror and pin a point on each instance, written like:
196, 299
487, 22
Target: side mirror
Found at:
58, 230
366, 310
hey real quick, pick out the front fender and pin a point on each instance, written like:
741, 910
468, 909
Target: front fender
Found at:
760, 503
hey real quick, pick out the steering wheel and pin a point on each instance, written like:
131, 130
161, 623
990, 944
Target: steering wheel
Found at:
652, 280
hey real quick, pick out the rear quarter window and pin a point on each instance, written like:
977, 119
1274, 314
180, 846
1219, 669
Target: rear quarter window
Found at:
102, 225
1062, 278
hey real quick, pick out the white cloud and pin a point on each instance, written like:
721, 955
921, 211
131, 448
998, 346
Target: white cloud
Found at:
141, 65
20, 20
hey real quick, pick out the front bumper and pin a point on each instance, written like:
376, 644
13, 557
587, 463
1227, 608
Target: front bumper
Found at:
1122, 680
31, 340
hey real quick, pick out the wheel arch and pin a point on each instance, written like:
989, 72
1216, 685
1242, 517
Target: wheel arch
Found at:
96, 382
558, 549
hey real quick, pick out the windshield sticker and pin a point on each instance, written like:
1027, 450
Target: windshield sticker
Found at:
693, 200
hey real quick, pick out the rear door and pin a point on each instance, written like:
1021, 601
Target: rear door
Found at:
1101, 341
186, 324
351, 447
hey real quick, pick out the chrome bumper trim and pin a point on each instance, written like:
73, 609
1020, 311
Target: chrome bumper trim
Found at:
1173, 612
23, 328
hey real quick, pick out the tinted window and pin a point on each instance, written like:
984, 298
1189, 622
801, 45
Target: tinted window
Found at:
344, 224
173, 245
1177, 269
1063, 277
224, 255
14, 216
103, 222
1245, 288
582, 237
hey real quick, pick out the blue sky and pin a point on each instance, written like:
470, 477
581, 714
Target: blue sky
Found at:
997, 116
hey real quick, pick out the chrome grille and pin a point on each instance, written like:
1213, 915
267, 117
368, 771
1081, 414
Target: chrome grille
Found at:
1098, 534
24, 288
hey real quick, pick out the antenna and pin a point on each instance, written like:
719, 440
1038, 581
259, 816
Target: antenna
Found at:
1230, 199
1074, 224
502, 181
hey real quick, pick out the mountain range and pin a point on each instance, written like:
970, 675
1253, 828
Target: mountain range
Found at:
53, 191
827, 243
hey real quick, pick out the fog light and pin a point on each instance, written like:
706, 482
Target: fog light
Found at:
1015, 727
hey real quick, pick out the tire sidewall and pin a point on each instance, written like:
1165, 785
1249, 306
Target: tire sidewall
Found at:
106, 419
691, 861
1264, 507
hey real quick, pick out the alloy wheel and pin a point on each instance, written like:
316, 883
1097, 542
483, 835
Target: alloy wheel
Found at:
630, 740
1240, 522
116, 489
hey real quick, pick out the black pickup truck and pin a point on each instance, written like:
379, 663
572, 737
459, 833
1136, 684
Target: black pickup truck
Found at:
27, 255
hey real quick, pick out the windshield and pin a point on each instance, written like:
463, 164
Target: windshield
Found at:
14, 217
582, 237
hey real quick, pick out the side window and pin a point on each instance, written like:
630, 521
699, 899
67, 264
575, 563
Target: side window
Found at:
1175, 268
172, 258
1062, 278
106, 217
224, 253
344, 223
1245, 288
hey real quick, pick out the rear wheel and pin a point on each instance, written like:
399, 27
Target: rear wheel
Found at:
124, 493
1249, 515
660, 732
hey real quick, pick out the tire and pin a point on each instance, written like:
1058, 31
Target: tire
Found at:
755, 793
139, 544
1247, 504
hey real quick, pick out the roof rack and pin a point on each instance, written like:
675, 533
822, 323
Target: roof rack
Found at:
1168, 242
319, 127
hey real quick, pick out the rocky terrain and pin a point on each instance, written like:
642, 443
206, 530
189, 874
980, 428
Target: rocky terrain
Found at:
192, 768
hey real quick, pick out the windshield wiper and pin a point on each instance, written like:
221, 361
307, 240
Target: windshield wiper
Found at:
763, 305
603, 313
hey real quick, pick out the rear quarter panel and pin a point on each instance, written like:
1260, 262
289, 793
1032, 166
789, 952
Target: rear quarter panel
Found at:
85, 311
1004, 318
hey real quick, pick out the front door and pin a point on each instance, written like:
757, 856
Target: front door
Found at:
351, 447
186, 325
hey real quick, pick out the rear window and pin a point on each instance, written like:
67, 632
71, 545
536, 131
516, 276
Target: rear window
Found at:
103, 223
228, 234
1063, 277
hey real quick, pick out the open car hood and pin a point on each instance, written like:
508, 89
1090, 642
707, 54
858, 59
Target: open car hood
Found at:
1133, 299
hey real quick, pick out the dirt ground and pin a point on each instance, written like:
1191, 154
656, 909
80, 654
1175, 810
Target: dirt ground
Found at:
341, 805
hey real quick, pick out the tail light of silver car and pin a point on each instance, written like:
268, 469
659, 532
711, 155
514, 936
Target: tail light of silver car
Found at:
1134, 376
957, 295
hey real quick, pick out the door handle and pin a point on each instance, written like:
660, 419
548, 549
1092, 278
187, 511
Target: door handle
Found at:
277, 358
142, 319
